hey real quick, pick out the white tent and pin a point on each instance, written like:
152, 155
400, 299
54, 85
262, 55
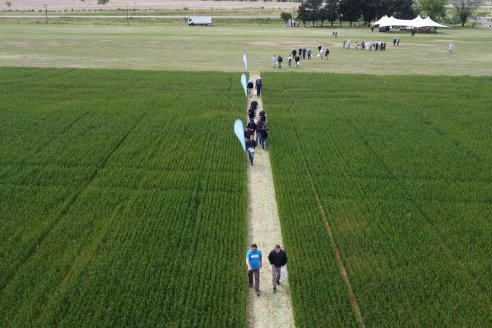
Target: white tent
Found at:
416, 22
382, 21
428, 22
398, 22
390, 21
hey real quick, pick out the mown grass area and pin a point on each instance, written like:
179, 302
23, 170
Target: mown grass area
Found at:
122, 201
402, 167
220, 48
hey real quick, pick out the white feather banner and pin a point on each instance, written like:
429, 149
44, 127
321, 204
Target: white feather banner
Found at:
245, 61
243, 82
239, 131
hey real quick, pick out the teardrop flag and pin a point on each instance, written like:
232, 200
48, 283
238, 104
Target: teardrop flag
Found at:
243, 82
239, 131
245, 61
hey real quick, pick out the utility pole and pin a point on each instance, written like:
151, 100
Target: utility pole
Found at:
127, 22
46, 12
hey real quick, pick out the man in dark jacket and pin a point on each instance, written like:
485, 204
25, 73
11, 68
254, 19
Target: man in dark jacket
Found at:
252, 125
250, 148
277, 258
259, 127
264, 137
251, 113
259, 86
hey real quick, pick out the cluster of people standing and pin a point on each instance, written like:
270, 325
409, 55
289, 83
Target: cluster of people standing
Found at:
297, 54
254, 262
371, 45
256, 131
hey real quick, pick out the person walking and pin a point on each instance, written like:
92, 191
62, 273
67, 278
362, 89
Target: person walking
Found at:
278, 259
259, 86
250, 147
251, 113
252, 126
280, 60
262, 116
289, 61
309, 53
250, 87
259, 127
274, 61
264, 137
298, 59
253, 261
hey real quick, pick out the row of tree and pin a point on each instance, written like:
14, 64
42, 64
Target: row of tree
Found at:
370, 10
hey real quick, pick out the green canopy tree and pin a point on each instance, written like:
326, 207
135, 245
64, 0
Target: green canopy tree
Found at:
285, 16
435, 9
310, 10
331, 7
350, 10
465, 8
370, 10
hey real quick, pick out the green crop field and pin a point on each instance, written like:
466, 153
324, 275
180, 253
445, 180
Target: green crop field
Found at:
402, 170
122, 203
123, 192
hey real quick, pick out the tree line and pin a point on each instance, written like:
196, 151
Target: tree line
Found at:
352, 11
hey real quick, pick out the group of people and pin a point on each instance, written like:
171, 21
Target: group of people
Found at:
256, 132
255, 85
254, 262
297, 54
370, 45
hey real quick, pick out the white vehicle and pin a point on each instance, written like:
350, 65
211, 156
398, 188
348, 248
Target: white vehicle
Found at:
200, 20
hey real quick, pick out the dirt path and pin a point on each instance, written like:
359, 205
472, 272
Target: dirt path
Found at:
271, 309
143, 4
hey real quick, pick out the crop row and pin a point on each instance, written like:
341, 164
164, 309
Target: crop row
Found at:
122, 200
407, 194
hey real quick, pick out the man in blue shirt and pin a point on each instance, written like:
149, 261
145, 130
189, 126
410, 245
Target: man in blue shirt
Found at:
253, 261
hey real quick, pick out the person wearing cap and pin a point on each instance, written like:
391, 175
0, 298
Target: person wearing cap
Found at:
277, 258
253, 261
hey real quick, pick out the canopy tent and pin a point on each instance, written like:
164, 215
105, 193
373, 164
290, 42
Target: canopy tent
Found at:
416, 22
428, 22
398, 22
382, 21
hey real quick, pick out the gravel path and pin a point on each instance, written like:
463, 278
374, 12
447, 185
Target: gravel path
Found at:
271, 309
